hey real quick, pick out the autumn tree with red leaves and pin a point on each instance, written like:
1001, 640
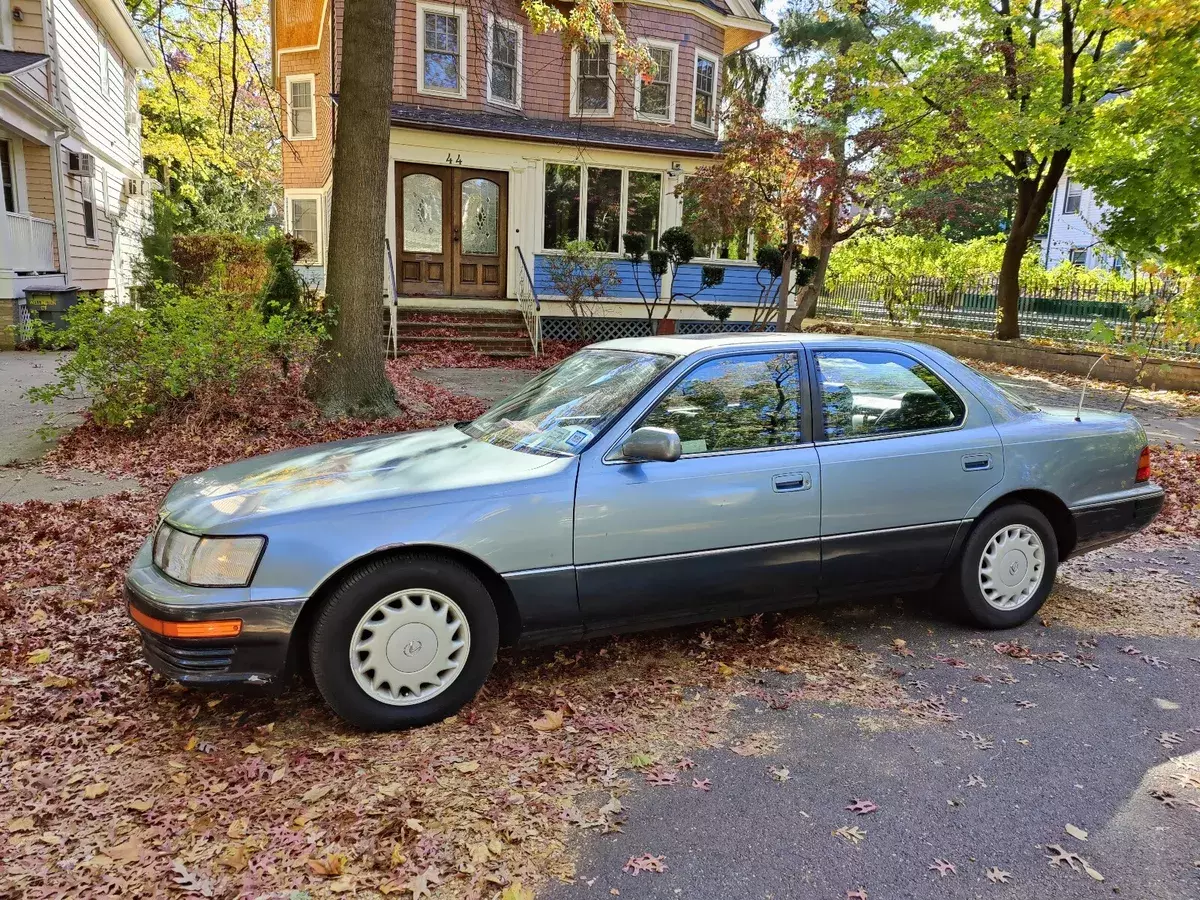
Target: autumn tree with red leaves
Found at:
768, 180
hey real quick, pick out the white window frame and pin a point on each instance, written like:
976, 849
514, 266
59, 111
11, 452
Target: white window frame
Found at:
610, 111
583, 186
669, 118
437, 9
711, 128
318, 253
6, 28
1072, 191
87, 197
492, 22
132, 112
311, 80
1071, 257
17, 161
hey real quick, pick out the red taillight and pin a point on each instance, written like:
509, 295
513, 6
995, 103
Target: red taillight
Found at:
1143, 472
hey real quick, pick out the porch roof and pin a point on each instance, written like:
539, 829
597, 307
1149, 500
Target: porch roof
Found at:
557, 131
14, 61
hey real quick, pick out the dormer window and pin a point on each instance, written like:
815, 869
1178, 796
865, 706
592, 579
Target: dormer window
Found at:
704, 113
655, 99
593, 80
441, 60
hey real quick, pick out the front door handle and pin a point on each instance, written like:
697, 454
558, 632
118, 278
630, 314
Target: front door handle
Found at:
977, 462
791, 481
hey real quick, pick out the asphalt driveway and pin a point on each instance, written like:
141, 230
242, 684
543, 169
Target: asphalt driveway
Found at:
1079, 734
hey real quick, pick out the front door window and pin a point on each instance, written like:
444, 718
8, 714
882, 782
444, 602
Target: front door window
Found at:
480, 217
422, 214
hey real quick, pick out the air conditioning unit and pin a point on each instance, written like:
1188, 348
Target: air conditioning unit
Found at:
138, 187
82, 164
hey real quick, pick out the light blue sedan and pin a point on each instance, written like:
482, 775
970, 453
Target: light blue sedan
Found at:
637, 484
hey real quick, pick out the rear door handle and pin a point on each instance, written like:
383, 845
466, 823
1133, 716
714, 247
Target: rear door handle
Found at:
791, 481
978, 462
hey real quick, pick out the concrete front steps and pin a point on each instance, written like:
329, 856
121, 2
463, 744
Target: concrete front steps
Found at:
496, 333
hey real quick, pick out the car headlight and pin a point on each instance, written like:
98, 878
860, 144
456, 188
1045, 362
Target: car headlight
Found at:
206, 561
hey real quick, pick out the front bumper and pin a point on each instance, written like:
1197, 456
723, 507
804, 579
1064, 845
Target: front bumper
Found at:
1101, 524
258, 656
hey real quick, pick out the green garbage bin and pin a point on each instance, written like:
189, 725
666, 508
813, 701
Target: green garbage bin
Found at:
50, 306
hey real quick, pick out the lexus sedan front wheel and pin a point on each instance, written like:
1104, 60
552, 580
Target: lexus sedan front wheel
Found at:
1008, 566
403, 642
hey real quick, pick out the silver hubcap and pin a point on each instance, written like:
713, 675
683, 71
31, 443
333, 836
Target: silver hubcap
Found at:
409, 647
1012, 566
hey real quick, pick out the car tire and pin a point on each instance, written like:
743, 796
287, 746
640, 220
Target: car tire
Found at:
1007, 567
424, 633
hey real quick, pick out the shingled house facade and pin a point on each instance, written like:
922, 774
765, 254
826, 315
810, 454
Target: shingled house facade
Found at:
504, 139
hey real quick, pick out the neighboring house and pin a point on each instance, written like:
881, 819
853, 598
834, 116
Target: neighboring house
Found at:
74, 199
502, 139
1073, 234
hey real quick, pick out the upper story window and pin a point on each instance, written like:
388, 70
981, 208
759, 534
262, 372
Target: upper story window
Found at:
704, 113
131, 103
655, 99
1073, 198
6, 35
593, 80
302, 113
504, 40
599, 204
442, 40
867, 393
1079, 257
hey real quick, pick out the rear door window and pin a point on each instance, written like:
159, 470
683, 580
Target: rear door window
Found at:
867, 393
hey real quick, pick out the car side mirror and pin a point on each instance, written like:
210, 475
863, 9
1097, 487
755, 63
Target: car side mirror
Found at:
648, 444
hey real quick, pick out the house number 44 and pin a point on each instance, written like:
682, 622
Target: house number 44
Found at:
453, 160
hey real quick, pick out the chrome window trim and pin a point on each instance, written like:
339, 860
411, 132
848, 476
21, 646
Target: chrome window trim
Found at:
894, 528
609, 459
692, 554
816, 381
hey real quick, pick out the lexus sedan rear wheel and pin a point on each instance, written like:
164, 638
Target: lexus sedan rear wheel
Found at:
404, 642
1008, 566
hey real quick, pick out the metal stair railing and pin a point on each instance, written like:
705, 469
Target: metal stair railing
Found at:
529, 304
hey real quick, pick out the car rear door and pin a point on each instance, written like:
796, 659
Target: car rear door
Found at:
905, 452
731, 526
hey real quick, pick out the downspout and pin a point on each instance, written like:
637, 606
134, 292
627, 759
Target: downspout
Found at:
56, 162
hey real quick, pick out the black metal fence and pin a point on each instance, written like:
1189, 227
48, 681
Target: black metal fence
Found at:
1067, 314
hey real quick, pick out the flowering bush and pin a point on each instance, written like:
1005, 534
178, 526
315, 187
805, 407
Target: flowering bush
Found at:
135, 361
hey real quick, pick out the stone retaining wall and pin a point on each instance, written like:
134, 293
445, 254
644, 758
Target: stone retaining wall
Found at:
1172, 374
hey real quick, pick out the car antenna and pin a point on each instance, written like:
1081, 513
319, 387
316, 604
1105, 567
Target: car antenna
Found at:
1079, 411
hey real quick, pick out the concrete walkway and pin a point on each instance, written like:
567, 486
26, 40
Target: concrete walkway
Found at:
20, 441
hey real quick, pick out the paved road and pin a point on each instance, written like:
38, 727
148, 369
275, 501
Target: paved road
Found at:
1086, 754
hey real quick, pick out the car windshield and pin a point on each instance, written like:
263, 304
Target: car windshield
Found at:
562, 410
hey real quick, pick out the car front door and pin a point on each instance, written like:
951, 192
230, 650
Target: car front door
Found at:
905, 452
731, 526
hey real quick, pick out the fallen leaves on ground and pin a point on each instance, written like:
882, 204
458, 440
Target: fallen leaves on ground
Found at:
862, 807
996, 875
645, 863
943, 867
851, 833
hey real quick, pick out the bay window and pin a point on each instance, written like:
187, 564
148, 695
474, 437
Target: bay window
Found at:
704, 114
654, 99
593, 79
599, 204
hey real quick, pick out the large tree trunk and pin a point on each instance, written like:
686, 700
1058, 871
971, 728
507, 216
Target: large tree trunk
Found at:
785, 283
349, 378
1008, 288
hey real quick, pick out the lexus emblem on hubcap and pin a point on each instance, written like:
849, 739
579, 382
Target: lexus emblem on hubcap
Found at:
1012, 569
412, 648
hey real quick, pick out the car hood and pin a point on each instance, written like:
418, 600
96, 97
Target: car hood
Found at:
416, 469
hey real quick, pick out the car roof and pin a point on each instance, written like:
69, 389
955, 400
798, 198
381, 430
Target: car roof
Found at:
687, 344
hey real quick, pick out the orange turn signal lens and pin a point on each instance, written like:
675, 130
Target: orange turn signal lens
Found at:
1143, 469
216, 628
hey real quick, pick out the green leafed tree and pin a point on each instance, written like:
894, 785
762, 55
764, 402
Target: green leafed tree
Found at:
1144, 164
1013, 88
210, 122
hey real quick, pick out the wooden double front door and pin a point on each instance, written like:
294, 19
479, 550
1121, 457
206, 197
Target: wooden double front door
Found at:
451, 225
